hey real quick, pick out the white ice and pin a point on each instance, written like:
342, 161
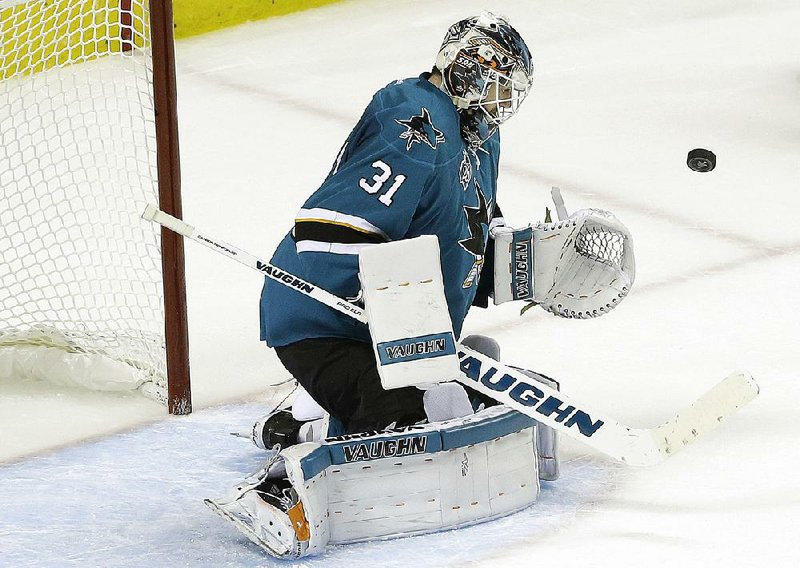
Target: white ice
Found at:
623, 91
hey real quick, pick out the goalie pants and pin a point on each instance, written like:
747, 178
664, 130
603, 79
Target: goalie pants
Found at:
342, 376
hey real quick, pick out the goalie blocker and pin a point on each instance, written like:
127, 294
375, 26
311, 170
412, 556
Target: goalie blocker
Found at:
409, 322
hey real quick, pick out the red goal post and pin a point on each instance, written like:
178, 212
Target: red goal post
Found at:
88, 134
169, 193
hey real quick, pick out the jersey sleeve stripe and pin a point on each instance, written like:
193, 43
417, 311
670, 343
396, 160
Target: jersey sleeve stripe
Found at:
318, 214
325, 222
329, 232
333, 248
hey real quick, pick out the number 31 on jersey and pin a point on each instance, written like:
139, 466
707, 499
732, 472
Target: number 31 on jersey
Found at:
378, 181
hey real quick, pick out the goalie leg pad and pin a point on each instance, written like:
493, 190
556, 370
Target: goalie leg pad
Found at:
446, 401
546, 437
454, 474
347, 489
278, 509
483, 344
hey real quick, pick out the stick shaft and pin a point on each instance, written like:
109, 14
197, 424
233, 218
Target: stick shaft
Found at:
152, 213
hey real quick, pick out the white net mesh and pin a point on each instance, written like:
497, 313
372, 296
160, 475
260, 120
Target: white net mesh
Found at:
601, 244
79, 269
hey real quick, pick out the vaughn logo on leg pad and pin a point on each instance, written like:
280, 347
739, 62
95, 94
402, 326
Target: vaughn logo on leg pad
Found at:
413, 348
391, 447
393, 442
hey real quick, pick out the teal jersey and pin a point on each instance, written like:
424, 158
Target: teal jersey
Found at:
404, 171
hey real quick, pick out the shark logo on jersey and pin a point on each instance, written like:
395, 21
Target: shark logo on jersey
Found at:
420, 129
465, 171
477, 218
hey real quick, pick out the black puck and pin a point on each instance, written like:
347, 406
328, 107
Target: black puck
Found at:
701, 160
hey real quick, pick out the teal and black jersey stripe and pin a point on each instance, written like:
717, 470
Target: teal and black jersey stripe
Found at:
330, 232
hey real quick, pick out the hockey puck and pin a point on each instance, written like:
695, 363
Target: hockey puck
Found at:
701, 160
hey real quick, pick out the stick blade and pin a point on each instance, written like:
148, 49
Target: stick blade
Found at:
705, 414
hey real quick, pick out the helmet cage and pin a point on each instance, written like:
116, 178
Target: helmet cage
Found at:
481, 74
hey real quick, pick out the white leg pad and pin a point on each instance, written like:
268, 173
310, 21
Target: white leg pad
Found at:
446, 401
414, 480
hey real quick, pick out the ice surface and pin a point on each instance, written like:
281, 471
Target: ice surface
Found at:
135, 499
623, 91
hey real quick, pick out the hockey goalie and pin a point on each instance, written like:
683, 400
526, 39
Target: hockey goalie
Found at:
469, 459
399, 426
381, 442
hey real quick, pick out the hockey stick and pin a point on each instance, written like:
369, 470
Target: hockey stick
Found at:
635, 446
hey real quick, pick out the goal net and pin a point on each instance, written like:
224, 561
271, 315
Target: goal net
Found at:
81, 283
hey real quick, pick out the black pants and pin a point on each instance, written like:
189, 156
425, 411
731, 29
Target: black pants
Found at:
342, 376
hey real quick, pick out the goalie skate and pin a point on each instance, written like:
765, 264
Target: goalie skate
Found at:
280, 543
267, 511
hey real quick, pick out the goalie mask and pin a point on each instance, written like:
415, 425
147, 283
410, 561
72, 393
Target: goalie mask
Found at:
486, 67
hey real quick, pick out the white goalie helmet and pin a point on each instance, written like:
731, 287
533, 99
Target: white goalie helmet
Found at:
486, 67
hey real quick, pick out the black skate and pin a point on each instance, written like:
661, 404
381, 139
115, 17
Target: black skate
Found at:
278, 429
